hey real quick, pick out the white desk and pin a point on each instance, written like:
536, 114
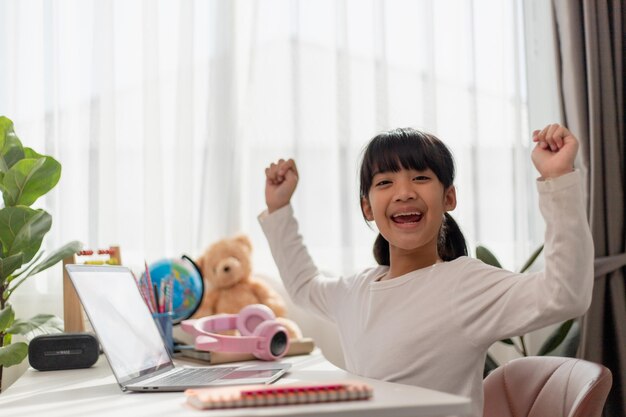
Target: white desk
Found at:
94, 392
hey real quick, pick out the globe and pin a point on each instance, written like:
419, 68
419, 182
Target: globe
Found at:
188, 287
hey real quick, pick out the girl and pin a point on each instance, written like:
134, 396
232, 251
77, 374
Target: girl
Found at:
428, 313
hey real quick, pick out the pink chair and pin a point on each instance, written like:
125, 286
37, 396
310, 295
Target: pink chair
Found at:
547, 386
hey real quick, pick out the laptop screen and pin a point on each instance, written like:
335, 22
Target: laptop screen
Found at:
121, 319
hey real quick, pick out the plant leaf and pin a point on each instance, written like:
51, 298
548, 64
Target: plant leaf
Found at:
532, 259
5, 124
39, 324
57, 255
64, 251
22, 229
27, 267
31, 153
487, 256
11, 149
16, 178
554, 340
12, 219
569, 346
490, 365
7, 316
9, 264
29, 179
13, 354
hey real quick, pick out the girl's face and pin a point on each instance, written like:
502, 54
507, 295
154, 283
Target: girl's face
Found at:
408, 208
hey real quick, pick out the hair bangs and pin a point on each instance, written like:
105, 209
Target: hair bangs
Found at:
394, 154
405, 149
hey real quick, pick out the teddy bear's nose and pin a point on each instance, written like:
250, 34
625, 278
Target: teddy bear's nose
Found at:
226, 268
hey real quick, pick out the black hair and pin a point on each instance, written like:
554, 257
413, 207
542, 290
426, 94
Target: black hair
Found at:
407, 148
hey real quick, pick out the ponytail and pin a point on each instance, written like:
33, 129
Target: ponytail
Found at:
451, 243
381, 250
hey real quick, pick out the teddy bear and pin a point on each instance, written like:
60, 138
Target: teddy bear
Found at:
229, 284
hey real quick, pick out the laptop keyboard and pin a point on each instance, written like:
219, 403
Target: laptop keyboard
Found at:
193, 376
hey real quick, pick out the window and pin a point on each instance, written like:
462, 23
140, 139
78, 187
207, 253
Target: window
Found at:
165, 114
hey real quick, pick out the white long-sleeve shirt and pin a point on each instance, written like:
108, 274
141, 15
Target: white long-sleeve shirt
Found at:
432, 327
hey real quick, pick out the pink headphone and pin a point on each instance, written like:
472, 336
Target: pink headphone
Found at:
261, 334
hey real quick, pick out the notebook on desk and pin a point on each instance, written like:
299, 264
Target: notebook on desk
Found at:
132, 342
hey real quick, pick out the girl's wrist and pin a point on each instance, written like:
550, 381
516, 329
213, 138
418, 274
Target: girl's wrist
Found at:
555, 174
273, 207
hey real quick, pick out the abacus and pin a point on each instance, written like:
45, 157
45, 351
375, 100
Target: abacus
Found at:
113, 254
73, 314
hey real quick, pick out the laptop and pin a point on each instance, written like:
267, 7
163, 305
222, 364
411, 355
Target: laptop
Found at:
132, 342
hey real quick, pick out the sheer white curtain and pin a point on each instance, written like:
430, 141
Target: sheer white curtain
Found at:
164, 115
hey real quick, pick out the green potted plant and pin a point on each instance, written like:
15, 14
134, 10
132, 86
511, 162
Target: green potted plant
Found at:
567, 332
25, 176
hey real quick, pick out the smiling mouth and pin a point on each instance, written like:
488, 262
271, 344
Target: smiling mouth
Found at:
406, 218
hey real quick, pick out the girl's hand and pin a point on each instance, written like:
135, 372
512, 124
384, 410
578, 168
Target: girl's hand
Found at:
281, 179
555, 151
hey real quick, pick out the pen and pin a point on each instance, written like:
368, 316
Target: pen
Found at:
156, 298
163, 294
142, 289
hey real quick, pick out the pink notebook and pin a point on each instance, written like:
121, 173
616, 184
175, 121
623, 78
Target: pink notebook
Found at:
284, 394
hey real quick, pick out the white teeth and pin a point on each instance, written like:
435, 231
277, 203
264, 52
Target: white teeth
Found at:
412, 213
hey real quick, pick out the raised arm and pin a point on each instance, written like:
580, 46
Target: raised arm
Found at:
303, 282
493, 303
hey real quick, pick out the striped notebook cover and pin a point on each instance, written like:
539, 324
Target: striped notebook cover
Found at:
268, 395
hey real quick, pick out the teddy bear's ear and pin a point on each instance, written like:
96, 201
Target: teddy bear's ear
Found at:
244, 240
200, 263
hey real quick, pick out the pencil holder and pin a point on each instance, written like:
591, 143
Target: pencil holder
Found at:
164, 323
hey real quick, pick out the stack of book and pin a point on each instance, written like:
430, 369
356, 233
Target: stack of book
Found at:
302, 346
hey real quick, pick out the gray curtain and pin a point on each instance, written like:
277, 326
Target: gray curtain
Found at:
590, 46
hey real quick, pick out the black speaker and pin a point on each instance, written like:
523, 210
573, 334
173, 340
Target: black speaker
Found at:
54, 352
